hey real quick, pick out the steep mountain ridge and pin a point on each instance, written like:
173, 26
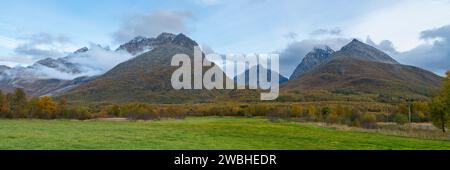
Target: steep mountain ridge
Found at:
311, 60
362, 51
142, 44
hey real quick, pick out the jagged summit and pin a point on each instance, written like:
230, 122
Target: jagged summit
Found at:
166, 37
322, 49
141, 44
355, 44
316, 57
360, 50
184, 41
81, 50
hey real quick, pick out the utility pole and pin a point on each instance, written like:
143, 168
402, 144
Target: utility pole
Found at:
409, 101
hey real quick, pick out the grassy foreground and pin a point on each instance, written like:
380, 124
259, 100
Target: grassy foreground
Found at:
194, 133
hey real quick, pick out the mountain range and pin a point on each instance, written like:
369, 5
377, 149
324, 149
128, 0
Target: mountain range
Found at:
146, 75
52, 76
360, 68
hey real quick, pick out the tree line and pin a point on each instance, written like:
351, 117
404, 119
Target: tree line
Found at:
17, 105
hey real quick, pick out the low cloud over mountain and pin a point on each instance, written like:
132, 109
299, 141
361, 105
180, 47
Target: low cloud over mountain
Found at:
97, 60
152, 24
91, 61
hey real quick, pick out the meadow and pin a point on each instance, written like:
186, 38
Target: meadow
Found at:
202, 133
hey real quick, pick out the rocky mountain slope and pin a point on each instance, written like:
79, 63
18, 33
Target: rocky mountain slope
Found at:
311, 60
141, 44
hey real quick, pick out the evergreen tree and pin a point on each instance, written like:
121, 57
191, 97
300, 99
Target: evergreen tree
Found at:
33, 110
61, 108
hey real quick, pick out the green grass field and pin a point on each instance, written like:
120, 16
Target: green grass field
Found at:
194, 133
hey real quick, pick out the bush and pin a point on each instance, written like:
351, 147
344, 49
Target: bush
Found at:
368, 120
81, 113
352, 118
175, 112
311, 113
113, 110
274, 114
417, 117
400, 119
325, 112
141, 112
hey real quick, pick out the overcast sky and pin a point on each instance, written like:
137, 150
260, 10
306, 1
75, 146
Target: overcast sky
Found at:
414, 32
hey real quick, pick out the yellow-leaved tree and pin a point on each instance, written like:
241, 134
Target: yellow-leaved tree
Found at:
440, 106
47, 107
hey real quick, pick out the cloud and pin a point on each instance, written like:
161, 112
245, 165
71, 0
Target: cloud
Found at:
320, 32
442, 32
96, 61
400, 21
9, 42
42, 72
44, 45
152, 25
15, 60
385, 45
99, 60
291, 56
207, 49
434, 56
292, 36
37, 53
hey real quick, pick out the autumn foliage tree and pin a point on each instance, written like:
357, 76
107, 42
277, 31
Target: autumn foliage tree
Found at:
47, 106
4, 105
440, 106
